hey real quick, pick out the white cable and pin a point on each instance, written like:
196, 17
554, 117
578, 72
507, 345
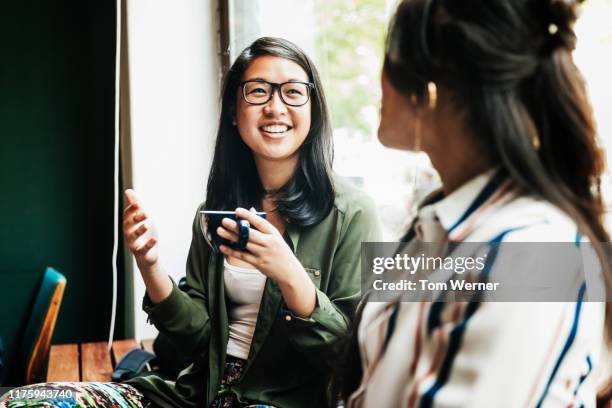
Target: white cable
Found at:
116, 175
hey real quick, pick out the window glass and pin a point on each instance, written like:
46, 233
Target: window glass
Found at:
345, 38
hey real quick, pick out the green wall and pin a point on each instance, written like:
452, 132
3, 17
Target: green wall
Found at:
56, 157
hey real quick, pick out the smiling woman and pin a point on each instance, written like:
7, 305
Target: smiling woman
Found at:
269, 336
260, 325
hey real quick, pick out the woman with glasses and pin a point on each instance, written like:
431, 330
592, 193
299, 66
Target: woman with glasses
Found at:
489, 90
261, 324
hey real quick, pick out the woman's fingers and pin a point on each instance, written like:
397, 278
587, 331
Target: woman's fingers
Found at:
254, 248
139, 234
130, 196
133, 213
144, 248
133, 230
135, 240
229, 235
139, 216
242, 255
259, 223
129, 210
251, 246
134, 216
232, 226
138, 231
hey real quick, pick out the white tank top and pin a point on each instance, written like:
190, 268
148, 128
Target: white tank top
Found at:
243, 288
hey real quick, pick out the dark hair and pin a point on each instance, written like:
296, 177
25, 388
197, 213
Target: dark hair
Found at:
509, 66
233, 180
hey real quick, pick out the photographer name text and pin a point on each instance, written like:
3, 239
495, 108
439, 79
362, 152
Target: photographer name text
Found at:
408, 266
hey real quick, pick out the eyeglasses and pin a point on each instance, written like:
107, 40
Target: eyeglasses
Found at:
259, 92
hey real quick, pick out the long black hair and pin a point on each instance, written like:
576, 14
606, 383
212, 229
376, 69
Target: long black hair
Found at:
510, 68
233, 180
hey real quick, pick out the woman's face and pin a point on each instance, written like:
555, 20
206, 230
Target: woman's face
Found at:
397, 118
274, 131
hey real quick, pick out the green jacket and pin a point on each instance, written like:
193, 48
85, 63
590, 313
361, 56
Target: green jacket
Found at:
289, 360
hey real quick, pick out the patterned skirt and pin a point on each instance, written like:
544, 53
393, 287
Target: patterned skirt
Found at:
234, 367
74, 395
113, 395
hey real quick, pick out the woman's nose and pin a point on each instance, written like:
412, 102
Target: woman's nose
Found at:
275, 106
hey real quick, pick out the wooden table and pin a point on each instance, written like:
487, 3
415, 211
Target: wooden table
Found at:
89, 361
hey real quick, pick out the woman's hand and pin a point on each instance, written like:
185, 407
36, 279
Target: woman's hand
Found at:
267, 251
139, 234
141, 238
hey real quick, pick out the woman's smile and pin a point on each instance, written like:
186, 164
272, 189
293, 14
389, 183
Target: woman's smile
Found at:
275, 130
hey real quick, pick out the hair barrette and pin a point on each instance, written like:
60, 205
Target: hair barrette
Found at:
552, 29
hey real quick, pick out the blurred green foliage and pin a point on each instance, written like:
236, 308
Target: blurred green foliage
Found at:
350, 41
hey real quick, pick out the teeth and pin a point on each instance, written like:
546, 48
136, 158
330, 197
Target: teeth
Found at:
275, 129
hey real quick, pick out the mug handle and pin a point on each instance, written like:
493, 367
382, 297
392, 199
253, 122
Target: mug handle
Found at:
243, 234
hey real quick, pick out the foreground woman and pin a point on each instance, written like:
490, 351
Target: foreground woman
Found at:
489, 91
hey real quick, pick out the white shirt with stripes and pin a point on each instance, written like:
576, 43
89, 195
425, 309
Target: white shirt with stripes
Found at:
527, 354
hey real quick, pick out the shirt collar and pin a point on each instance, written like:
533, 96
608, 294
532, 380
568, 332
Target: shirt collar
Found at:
450, 209
293, 235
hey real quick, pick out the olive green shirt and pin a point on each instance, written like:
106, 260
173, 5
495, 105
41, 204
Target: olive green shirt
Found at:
289, 363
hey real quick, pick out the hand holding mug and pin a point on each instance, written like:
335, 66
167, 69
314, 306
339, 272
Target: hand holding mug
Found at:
266, 248
211, 220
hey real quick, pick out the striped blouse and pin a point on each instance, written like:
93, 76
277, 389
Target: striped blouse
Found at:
489, 354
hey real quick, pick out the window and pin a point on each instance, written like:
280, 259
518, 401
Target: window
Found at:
594, 35
345, 39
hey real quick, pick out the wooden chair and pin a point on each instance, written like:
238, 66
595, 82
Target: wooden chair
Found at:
39, 330
89, 361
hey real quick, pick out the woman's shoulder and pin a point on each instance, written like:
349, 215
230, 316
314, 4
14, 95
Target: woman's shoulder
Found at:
356, 211
530, 219
350, 199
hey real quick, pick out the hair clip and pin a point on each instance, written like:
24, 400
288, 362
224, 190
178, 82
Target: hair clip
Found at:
552, 29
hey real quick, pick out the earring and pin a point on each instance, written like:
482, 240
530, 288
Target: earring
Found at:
432, 98
432, 95
535, 141
233, 122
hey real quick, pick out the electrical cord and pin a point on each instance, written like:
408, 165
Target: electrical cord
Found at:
116, 173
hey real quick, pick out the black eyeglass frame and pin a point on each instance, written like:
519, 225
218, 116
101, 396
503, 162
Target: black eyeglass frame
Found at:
277, 86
